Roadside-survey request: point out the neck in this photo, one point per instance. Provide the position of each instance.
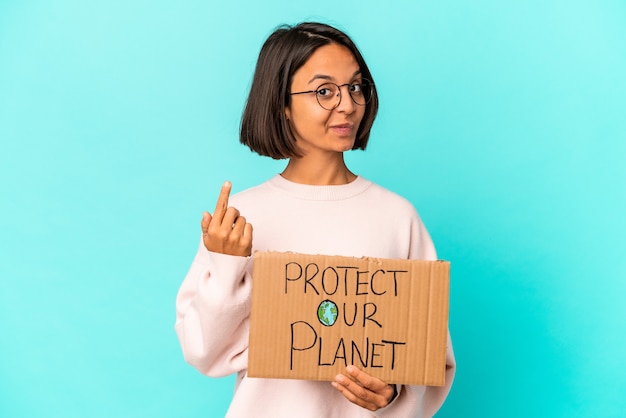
(327, 172)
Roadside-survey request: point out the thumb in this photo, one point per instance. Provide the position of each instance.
(204, 224)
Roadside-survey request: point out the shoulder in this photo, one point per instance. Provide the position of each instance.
(389, 199)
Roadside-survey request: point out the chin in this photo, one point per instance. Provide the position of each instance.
(349, 147)
(346, 145)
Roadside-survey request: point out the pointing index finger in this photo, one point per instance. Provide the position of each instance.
(222, 201)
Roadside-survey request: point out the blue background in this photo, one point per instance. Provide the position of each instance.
(503, 122)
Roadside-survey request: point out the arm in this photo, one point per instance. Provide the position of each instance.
(212, 311)
(409, 401)
(433, 396)
(213, 303)
(436, 395)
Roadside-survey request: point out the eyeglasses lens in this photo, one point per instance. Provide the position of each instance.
(329, 96)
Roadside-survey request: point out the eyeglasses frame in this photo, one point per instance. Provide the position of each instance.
(339, 86)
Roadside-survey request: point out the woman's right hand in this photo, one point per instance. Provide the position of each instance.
(226, 232)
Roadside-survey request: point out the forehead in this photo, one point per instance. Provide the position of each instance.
(332, 62)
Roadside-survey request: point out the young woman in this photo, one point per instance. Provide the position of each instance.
(312, 98)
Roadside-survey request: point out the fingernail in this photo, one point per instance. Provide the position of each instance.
(350, 369)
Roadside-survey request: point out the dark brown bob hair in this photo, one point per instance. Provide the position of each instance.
(264, 125)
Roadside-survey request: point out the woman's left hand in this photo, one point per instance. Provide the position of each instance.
(364, 390)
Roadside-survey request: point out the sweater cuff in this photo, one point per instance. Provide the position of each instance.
(225, 278)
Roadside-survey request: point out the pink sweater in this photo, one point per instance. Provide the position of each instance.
(213, 304)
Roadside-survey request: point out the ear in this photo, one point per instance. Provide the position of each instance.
(287, 113)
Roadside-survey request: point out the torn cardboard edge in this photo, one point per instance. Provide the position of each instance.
(312, 315)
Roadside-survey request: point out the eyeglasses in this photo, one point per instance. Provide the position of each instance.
(329, 94)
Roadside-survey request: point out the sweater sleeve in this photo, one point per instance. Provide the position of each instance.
(421, 401)
(425, 400)
(212, 313)
(435, 395)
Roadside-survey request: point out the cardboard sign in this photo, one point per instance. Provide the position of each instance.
(312, 315)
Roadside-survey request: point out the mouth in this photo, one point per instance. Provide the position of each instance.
(343, 129)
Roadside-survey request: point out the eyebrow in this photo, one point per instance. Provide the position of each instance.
(329, 78)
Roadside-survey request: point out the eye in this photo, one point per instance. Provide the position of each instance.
(326, 91)
(356, 88)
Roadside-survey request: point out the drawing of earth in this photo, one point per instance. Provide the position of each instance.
(327, 313)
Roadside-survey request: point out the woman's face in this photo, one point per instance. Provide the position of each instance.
(316, 129)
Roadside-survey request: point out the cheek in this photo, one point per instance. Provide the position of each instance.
(306, 118)
(361, 114)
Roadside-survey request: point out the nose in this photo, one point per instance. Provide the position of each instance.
(346, 104)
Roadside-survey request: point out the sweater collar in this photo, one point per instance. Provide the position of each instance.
(311, 192)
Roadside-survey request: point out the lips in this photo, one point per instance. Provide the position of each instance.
(343, 129)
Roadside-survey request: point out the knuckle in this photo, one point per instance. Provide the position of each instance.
(361, 393)
(222, 234)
